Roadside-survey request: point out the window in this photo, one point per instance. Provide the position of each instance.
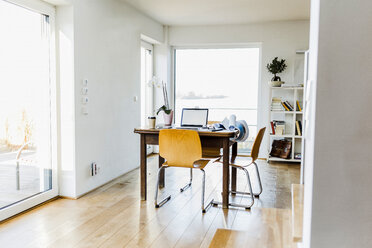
(223, 80)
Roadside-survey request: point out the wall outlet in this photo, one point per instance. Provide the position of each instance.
(93, 169)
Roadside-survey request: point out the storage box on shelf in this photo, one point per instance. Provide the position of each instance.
(286, 114)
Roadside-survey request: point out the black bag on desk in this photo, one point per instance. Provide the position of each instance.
(281, 148)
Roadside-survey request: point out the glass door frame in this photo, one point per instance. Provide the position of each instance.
(16, 208)
(147, 94)
(260, 110)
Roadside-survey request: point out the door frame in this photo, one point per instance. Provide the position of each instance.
(18, 207)
(148, 46)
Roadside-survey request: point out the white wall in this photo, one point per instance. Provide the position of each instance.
(277, 39)
(163, 71)
(339, 214)
(65, 79)
(107, 53)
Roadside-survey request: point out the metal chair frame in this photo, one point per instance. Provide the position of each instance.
(166, 199)
(246, 171)
(254, 155)
(187, 185)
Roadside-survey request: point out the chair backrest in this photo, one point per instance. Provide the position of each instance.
(257, 144)
(180, 147)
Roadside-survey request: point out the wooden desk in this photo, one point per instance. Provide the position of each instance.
(219, 139)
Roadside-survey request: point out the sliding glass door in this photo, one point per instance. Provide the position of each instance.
(27, 157)
(223, 80)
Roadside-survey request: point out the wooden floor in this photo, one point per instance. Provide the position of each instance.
(113, 215)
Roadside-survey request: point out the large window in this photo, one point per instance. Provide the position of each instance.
(223, 80)
(26, 158)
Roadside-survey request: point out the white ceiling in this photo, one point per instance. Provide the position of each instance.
(215, 12)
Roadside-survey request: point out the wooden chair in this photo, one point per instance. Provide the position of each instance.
(242, 164)
(181, 148)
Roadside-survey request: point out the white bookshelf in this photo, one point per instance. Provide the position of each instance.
(291, 94)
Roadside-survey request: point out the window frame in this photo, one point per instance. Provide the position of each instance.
(48, 10)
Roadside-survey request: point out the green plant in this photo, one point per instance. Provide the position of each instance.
(275, 67)
(165, 109)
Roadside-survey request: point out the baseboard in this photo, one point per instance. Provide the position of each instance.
(81, 195)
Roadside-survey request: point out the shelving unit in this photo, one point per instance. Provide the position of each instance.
(291, 94)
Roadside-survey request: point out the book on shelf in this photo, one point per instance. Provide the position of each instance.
(279, 130)
(278, 127)
(298, 106)
(285, 106)
(272, 128)
(289, 106)
(276, 104)
(298, 128)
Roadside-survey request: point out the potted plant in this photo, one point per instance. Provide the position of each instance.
(276, 67)
(167, 112)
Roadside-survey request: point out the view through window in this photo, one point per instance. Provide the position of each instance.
(223, 80)
(25, 100)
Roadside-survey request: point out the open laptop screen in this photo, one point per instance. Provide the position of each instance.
(192, 117)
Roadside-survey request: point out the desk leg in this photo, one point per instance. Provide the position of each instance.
(225, 173)
(234, 153)
(161, 179)
(143, 169)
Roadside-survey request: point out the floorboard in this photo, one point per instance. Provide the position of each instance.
(114, 216)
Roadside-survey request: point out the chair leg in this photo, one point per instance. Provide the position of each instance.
(189, 184)
(259, 183)
(245, 193)
(259, 180)
(204, 209)
(158, 205)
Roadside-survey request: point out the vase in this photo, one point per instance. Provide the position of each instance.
(276, 83)
(168, 118)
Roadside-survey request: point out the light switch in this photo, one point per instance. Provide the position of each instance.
(85, 82)
(85, 100)
(135, 98)
(84, 91)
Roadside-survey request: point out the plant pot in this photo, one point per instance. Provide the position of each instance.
(168, 118)
(276, 83)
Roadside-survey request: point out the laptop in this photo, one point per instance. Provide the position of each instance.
(194, 118)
